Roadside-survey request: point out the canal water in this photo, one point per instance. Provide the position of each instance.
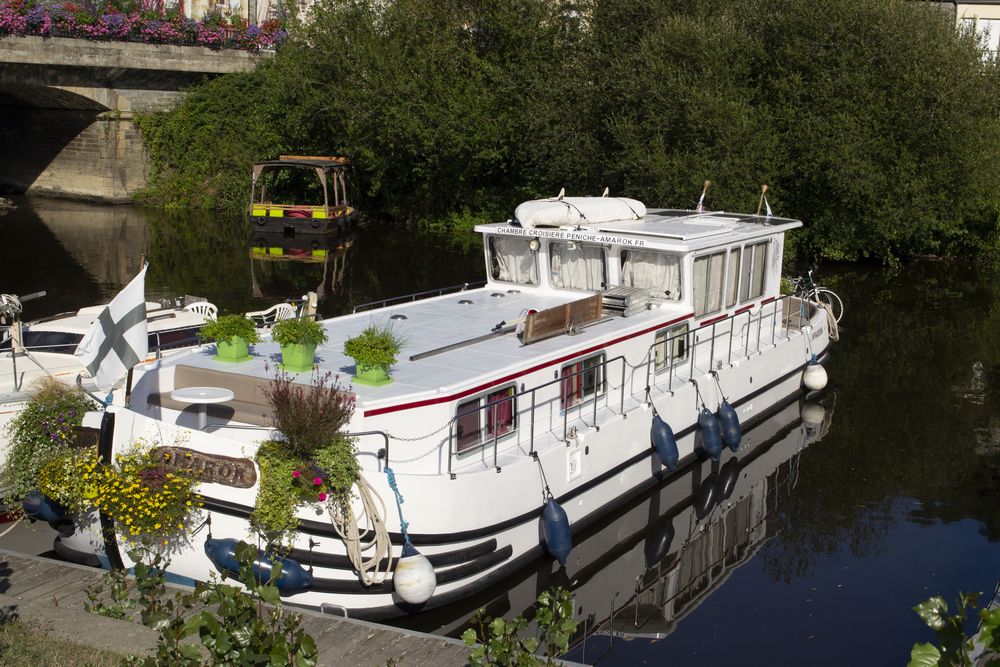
(841, 512)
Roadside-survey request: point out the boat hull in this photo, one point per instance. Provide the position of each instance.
(472, 540)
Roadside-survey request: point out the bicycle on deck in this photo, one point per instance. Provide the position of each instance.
(806, 288)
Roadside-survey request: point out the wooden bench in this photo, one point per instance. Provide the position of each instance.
(249, 404)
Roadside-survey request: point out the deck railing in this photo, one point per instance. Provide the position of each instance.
(708, 348)
(416, 296)
(592, 401)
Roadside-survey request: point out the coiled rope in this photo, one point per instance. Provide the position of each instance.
(10, 306)
(374, 538)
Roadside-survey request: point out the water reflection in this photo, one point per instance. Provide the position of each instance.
(282, 264)
(650, 564)
(83, 254)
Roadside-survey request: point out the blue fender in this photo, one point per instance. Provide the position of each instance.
(728, 476)
(664, 442)
(711, 433)
(37, 506)
(705, 497)
(555, 529)
(293, 578)
(731, 432)
(658, 540)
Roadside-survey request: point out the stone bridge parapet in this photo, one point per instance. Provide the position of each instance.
(66, 109)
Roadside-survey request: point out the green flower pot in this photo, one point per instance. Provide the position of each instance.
(297, 357)
(234, 350)
(374, 376)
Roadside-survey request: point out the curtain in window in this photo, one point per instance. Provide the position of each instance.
(581, 268)
(467, 428)
(572, 385)
(501, 405)
(753, 271)
(733, 276)
(656, 271)
(513, 260)
(708, 272)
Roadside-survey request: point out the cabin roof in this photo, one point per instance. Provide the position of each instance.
(665, 229)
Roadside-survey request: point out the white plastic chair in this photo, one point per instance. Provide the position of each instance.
(276, 313)
(203, 308)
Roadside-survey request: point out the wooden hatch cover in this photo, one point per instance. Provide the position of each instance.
(562, 319)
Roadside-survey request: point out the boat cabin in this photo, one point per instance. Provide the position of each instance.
(708, 264)
(300, 194)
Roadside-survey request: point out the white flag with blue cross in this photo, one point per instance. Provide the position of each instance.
(117, 339)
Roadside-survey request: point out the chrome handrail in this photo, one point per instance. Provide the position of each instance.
(594, 400)
(374, 305)
(673, 364)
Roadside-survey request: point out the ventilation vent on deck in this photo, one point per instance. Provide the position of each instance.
(625, 301)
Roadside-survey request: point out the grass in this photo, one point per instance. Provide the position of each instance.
(23, 646)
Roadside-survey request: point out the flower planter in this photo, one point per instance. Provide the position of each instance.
(373, 376)
(232, 351)
(296, 357)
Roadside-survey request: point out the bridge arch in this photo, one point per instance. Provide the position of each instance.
(66, 109)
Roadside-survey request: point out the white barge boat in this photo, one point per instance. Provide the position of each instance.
(542, 384)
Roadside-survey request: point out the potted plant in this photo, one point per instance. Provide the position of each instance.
(233, 335)
(374, 350)
(312, 461)
(298, 339)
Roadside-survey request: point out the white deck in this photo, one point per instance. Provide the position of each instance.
(435, 323)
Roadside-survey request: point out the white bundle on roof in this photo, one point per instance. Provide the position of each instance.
(577, 211)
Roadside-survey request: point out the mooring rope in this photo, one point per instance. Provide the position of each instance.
(12, 526)
(346, 523)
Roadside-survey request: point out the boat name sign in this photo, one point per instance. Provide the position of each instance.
(237, 473)
(572, 236)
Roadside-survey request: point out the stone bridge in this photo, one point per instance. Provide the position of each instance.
(66, 110)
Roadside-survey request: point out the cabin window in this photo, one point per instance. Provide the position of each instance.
(59, 342)
(479, 419)
(577, 266)
(754, 261)
(511, 260)
(670, 347)
(707, 288)
(733, 276)
(582, 379)
(658, 272)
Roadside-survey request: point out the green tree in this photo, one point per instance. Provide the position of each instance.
(875, 121)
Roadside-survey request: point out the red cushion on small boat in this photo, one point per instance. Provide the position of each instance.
(298, 213)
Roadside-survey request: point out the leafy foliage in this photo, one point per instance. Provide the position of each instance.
(309, 417)
(312, 419)
(873, 120)
(376, 345)
(42, 431)
(149, 501)
(298, 331)
(955, 645)
(226, 327)
(498, 641)
(233, 626)
(111, 596)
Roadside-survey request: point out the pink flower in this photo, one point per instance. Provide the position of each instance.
(321, 496)
(296, 474)
(318, 481)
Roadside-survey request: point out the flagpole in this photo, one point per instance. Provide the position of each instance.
(760, 204)
(701, 200)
